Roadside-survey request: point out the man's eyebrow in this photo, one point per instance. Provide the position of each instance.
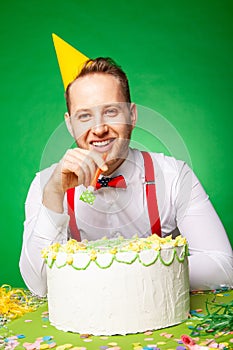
(114, 104)
(103, 106)
(82, 110)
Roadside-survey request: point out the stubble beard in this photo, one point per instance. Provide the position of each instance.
(119, 153)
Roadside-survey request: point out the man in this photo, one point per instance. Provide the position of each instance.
(101, 118)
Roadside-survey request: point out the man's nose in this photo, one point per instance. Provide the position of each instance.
(99, 128)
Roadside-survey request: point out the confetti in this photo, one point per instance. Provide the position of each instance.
(20, 336)
(148, 333)
(15, 303)
(67, 346)
(195, 313)
(47, 338)
(168, 335)
(219, 320)
(83, 336)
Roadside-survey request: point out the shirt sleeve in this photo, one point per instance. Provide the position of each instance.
(211, 258)
(42, 227)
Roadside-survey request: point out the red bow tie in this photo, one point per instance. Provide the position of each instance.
(117, 181)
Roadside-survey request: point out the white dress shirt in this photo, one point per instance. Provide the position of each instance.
(182, 203)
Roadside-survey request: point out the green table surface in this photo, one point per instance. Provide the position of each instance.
(34, 325)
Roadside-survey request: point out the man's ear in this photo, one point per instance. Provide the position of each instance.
(133, 114)
(68, 124)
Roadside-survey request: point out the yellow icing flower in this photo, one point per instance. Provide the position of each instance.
(69, 259)
(55, 247)
(93, 254)
(53, 255)
(71, 246)
(153, 238)
(134, 247)
(113, 251)
(167, 239)
(143, 244)
(104, 238)
(81, 246)
(175, 242)
(71, 242)
(44, 253)
(181, 240)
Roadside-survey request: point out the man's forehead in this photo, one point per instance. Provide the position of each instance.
(95, 90)
(98, 78)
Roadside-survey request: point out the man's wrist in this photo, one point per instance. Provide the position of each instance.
(53, 199)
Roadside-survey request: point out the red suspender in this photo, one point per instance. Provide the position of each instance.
(74, 231)
(151, 194)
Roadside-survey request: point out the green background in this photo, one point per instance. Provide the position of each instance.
(178, 56)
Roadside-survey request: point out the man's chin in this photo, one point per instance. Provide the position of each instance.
(114, 161)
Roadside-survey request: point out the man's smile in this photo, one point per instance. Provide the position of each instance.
(103, 145)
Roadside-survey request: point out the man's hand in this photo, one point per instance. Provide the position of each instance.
(78, 166)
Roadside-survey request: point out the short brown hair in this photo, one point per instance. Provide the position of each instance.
(104, 65)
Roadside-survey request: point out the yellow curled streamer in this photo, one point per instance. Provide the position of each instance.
(14, 302)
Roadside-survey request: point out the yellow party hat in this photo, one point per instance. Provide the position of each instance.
(69, 59)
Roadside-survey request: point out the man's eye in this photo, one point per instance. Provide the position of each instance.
(111, 112)
(84, 116)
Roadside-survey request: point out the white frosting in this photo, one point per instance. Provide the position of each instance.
(113, 297)
(80, 260)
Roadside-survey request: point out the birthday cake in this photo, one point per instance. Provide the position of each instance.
(117, 286)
